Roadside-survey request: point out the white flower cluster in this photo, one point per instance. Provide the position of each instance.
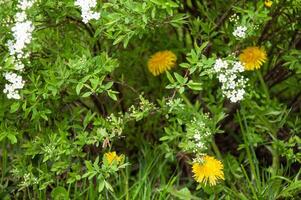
(233, 83)
(22, 33)
(25, 4)
(86, 7)
(28, 180)
(174, 104)
(116, 125)
(15, 83)
(199, 133)
(240, 32)
(234, 18)
(199, 139)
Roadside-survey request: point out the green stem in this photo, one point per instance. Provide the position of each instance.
(186, 100)
(275, 160)
(28, 191)
(215, 149)
(248, 150)
(251, 186)
(127, 189)
(4, 160)
(263, 85)
(273, 149)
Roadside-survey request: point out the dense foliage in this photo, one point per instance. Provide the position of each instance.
(150, 99)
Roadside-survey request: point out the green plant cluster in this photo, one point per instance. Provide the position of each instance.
(87, 91)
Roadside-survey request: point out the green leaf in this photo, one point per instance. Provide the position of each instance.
(108, 186)
(12, 138)
(180, 78)
(185, 65)
(164, 138)
(112, 95)
(87, 94)
(202, 47)
(14, 107)
(59, 193)
(96, 163)
(101, 183)
(194, 86)
(169, 77)
(181, 90)
(79, 87)
(109, 85)
(118, 39)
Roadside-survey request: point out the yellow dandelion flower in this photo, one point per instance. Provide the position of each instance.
(253, 57)
(268, 3)
(111, 156)
(161, 62)
(209, 170)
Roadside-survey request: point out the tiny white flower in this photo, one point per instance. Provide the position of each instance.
(21, 16)
(197, 136)
(238, 67)
(220, 64)
(234, 18)
(25, 4)
(200, 145)
(240, 94)
(233, 99)
(240, 32)
(232, 77)
(86, 10)
(222, 78)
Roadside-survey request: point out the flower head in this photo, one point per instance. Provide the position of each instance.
(161, 62)
(112, 156)
(208, 170)
(268, 3)
(253, 57)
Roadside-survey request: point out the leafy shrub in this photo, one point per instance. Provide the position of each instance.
(150, 99)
